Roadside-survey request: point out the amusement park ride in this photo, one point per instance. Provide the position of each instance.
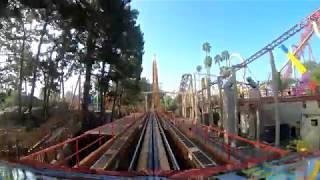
(309, 27)
(159, 144)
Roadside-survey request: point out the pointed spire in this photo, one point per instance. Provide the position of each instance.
(155, 85)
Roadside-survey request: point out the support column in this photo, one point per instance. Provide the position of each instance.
(235, 96)
(229, 107)
(146, 102)
(209, 100)
(258, 113)
(275, 90)
(183, 105)
(220, 99)
(258, 125)
(195, 96)
(192, 99)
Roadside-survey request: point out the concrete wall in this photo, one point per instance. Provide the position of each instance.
(290, 113)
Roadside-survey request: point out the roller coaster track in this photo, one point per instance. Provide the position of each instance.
(153, 151)
(195, 153)
(314, 17)
(155, 145)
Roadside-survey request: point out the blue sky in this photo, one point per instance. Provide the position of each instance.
(175, 30)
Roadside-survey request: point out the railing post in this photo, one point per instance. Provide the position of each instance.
(46, 157)
(99, 137)
(207, 134)
(204, 134)
(77, 152)
(229, 148)
(112, 129)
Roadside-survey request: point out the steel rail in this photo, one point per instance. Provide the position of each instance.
(150, 156)
(177, 132)
(167, 145)
(155, 150)
(138, 147)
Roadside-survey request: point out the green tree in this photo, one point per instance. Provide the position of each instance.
(126, 65)
(217, 59)
(17, 35)
(72, 37)
(315, 74)
(310, 65)
(225, 55)
(168, 103)
(206, 47)
(199, 68)
(208, 64)
(45, 21)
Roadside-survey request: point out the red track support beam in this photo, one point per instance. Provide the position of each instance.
(77, 152)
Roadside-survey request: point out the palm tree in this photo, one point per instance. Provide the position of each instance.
(225, 56)
(199, 68)
(217, 60)
(206, 47)
(208, 64)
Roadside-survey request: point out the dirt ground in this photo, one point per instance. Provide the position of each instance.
(57, 128)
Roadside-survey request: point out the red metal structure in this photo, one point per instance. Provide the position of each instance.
(304, 39)
(223, 149)
(305, 23)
